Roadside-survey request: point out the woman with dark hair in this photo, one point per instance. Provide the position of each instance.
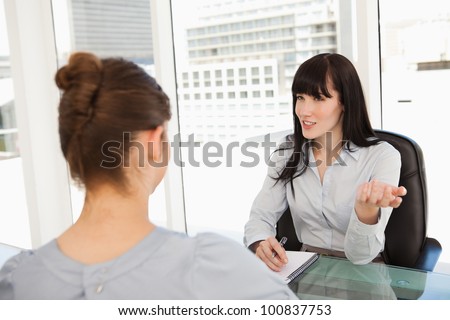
(112, 124)
(339, 181)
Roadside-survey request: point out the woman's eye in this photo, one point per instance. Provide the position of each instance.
(300, 98)
(319, 98)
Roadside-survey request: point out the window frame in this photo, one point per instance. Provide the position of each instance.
(34, 62)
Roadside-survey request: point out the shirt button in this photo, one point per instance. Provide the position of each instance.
(99, 289)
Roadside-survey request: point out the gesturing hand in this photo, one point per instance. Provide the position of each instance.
(373, 195)
(272, 253)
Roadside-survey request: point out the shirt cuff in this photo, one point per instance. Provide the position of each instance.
(248, 242)
(362, 228)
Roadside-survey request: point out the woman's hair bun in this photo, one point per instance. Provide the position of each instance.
(82, 67)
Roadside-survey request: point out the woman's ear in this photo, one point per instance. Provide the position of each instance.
(155, 144)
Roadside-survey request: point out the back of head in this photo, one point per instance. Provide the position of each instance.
(102, 100)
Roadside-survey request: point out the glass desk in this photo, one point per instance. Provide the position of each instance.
(337, 278)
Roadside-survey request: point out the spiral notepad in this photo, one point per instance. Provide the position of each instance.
(298, 262)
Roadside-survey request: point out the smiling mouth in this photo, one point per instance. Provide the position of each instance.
(308, 123)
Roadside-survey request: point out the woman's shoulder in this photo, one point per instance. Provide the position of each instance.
(235, 269)
(23, 258)
(15, 261)
(216, 250)
(10, 268)
(204, 250)
(28, 257)
(380, 148)
(381, 155)
(386, 149)
(211, 239)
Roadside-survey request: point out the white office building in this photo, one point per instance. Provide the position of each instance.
(289, 31)
(250, 50)
(225, 101)
(113, 28)
(8, 127)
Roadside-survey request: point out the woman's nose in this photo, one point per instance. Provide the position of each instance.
(303, 109)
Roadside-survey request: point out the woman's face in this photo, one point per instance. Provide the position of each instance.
(319, 115)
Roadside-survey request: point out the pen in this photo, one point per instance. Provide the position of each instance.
(282, 243)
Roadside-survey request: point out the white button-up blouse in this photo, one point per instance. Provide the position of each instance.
(323, 213)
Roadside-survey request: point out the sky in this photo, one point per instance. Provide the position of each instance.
(394, 10)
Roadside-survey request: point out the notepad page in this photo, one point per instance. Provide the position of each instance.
(296, 259)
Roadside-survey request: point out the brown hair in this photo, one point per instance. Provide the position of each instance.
(102, 100)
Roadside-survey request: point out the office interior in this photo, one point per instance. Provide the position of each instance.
(227, 67)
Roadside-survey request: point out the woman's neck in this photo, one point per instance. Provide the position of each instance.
(108, 203)
(328, 146)
(329, 139)
(110, 224)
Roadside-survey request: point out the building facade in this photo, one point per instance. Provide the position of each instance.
(238, 37)
(113, 28)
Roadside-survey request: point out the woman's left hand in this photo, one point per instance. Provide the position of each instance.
(373, 195)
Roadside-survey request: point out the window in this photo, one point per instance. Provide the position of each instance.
(115, 29)
(415, 77)
(404, 68)
(14, 224)
(268, 69)
(256, 94)
(269, 93)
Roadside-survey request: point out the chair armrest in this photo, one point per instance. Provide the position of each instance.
(429, 256)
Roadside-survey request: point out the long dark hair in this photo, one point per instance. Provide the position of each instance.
(311, 79)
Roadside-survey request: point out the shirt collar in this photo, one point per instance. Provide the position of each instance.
(354, 151)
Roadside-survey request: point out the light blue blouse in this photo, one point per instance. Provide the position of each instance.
(323, 213)
(165, 265)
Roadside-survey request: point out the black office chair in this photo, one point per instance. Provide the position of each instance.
(407, 244)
